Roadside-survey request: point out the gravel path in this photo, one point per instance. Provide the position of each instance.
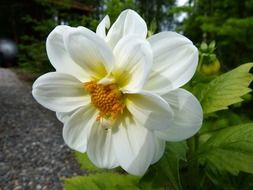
(32, 152)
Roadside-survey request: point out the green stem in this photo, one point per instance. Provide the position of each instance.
(200, 62)
(193, 163)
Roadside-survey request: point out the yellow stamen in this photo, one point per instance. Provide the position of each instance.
(107, 98)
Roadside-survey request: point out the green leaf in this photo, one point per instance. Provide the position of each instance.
(246, 181)
(226, 89)
(174, 153)
(230, 149)
(85, 163)
(222, 180)
(102, 181)
(165, 173)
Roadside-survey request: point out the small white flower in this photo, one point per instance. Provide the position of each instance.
(118, 93)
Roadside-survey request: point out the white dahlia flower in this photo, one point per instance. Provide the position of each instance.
(118, 94)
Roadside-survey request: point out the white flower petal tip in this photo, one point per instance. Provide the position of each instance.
(159, 149)
(58, 54)
(133, 62)
(75, 132)
(89, 51)
(134, 146)
(103, 25)
(100, 149)
(188, 116)
(60, 92)
(128, 23)
(118, 94)
(175, 62)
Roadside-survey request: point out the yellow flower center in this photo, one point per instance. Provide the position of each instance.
(107, 98)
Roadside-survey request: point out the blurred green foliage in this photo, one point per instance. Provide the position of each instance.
(114, 7)
(105, 181)
(228, 22)
(41, 21)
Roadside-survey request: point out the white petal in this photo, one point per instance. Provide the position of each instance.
(103, 25)
(77, 128)
(175, 62)
(133, 60)
(134, 146)
(89, 51)
(60, 92)
(100, 149)
(64, 116)
(59, 56)
(128, 22)
(159, 149)
(149, 110)
(188, 116)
